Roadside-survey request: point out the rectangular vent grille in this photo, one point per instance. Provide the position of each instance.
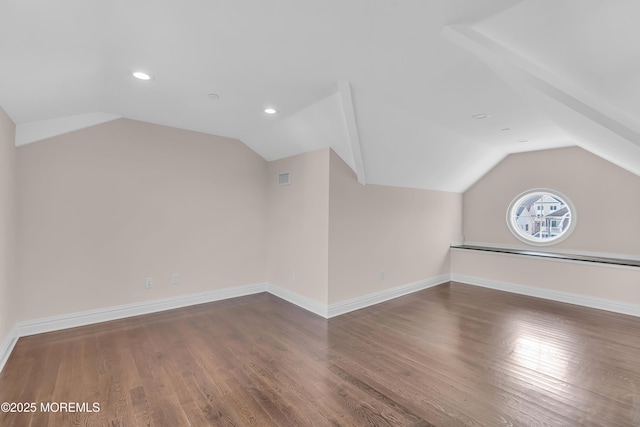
(284, 178)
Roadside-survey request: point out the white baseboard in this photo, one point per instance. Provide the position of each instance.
(378, 297)
(299, 300)
(570, 298)
(6, 347)
(72, 320)
(355, 303)
(119, 312)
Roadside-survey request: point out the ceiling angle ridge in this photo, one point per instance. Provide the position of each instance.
(344, 88)
(488, 49)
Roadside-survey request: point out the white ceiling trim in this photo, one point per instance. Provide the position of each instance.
(583, 115)
(27, 133)
(352, 129)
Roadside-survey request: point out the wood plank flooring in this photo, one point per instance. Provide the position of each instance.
(453, 355)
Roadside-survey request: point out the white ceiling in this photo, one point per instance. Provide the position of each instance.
(390, 85)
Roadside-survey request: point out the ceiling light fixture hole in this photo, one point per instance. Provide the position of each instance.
(481, 116)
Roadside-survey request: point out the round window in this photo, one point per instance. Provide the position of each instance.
(541, 217)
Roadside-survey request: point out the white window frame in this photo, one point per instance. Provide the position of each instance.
(526, 238)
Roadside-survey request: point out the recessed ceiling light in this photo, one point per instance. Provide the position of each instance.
(505, 129)
(141, 75)
(213, 95)
(481, 116)
(523, 140)
(270, 110)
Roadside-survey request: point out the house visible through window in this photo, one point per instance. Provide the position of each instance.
(541, 217)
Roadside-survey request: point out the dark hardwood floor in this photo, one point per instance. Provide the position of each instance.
(453, 355)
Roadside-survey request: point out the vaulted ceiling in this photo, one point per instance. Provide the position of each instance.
(391, 85)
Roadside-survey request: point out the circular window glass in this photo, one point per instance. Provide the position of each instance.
(541, 217)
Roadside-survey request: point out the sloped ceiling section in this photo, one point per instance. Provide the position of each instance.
(329, 122)
(578, 82)
(392, 86)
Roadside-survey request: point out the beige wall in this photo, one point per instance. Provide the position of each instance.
(104, 207)
(298, 225)
(330, 237)
(10, 301)
(606, 200)
(605, 197)
(402, 232)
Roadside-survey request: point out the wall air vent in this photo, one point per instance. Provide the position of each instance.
(284, 178)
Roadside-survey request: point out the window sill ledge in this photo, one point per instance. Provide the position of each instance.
(554, 255)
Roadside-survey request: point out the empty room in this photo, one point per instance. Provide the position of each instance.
(319, 213)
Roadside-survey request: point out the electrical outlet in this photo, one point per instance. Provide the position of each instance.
(382, 275)
(293, 275)
(148, 282)
(175, 279)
